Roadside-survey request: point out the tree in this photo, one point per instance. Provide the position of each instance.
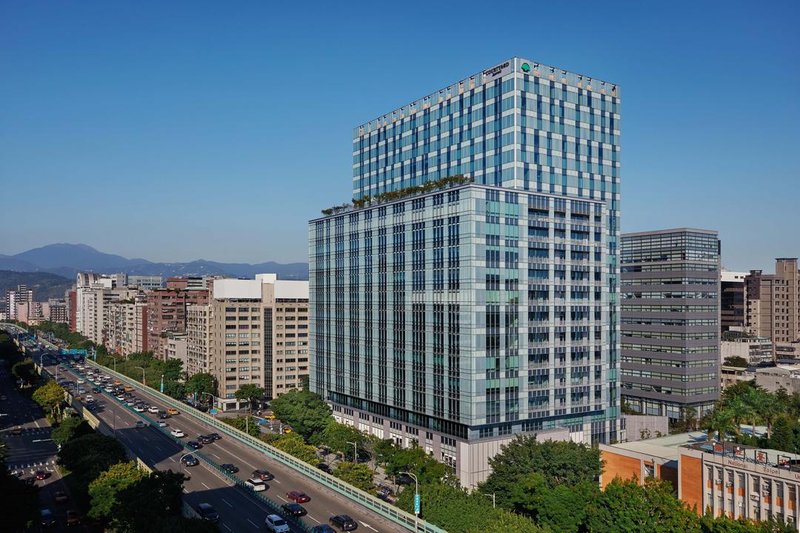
(414, 459)
(783, 438)
(70, 428)
(85, 457)
(20, 503)
(558, 462)
(135, 511)
(736, 361)
(249, 392)
(770, 407)
(24, 370)
(104, 490)
(293, 444)
(201, 384)
(49, 396)
(306, 412)
(357, 474)
(173, 389)
(627, 507)
(247, 424)
(719, 420)
(338, 437)
(560, 507)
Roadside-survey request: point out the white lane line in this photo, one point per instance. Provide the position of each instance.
(206, 486)
(314, 519)
(276, 481)
(254, 524)
(282, 498)
(226, 502)
(369, 526)
(226, 526)
(217, 456)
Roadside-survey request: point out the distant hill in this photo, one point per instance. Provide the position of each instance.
(68, 259)
(43, 284)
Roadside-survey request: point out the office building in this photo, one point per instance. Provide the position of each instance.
(670, 321)
(732, 301)
(773, 306)
(470, 293)
(145, 283)
(754, 350)
(251, 331)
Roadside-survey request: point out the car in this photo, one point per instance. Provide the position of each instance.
(138, 408)
(276, 524)
(323, 528)
(189, 460)
(128, 388)
(215, 436)
(16, 431)
(3, 397)
(140, 424)
(298, 496)
(229, 468)
(193, 444)
(384, 493)
(152, 409)
(60, 496)
(89, 398)
(264, 475)
(343, 522)
(162, 424)
(207, 512)
(81, 381)
(109, 390)
(172, 411)
(47, 520)
(256, 485)
(177, 433)
(294, 509)
(129, 402)
(163, 416)
(73, 518)
(205, 439)
(41, 475)
(325, 468)
(120, 397)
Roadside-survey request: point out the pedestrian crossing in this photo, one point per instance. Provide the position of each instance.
(20, 469)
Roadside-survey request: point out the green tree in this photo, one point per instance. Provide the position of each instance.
(306, 412)
(247, 424)
(173, 389)
(338, 437)
(294, 445)
(396, 459)
(70, 428)
(104, 490)
(627, 507)
(357, 474)
(24, 370)
(135, 509)
(736, 361)
(719, 420)
(250, 393)
(771, 407)
(84, 458)
(49, 396)
(201, 384)
(559, 462)
(560, 507)
(20, 503)
(783, 438)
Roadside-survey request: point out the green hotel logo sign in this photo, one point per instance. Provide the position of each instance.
(525, 67)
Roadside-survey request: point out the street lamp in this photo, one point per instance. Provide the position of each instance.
(213, 399)
(416, 498)
(144, 379)
(355, 451)
(494, 499)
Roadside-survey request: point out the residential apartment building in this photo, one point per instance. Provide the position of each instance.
(145, 283)
(732, 301)
(470, 294)
(126, 326)
(57, 311)
(99, 317)
(251, 331)
(166, 313)
(773, 306)
(670, 321)
(14, 298)
(175, 347)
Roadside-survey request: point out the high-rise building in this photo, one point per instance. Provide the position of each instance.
(22, 295)
(126, 326)
(145, 283)
(166, 313)
(57, 311)
(732, 301)
(470, 292)
(251, 331)
(670, 321)
(773, 306)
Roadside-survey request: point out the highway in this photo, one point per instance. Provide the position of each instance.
(239, 509)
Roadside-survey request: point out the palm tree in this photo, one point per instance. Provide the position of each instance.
(740, 411)
(770, 407)
(720, 420)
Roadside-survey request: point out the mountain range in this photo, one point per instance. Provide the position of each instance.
(68, 259)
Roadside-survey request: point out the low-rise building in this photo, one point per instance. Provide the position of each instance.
(778, 377)
(754, 350)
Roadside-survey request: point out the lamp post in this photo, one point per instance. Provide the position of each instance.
(416, 498)
(144, 379)
(355, 451)
(213, 398)
(494, 499)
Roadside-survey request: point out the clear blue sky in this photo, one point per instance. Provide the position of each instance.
(192, 129)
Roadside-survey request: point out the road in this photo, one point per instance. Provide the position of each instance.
(32, 449)
(239, 509)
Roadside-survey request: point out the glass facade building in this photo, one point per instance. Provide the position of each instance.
(670, 321)
(457, 313)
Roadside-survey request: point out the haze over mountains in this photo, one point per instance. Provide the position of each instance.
(68, 259)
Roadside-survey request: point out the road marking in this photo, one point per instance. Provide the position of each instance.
(254, 524)
(314, 519)
(369, 526)
(206, 486)
(276, 480)
(226, 502)
(226, 526)
(282, 498)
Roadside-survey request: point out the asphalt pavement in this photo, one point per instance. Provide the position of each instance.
(239, 508)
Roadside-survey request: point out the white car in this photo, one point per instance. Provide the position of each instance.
(89, 398)
(138, 408)
(276, 524)
(109, 389)
(152, 409)
(162, 424)
(81, 381)
(179, 434)
(256, 485)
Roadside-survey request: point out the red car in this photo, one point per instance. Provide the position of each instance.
(297, 496)
(41, 474)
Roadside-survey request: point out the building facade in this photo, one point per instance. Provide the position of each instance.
(732, 301)
(773, 306)
(670, 321)
(166, 313)
(471, 292)
(754, 350)
(14, 298)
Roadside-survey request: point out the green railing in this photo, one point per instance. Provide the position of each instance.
(368, 501)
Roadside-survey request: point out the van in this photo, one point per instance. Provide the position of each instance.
(256, 485)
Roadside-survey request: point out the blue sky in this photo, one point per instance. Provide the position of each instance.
(183, 130)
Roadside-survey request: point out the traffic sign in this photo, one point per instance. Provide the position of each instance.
(212, 411)
(416, 504)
